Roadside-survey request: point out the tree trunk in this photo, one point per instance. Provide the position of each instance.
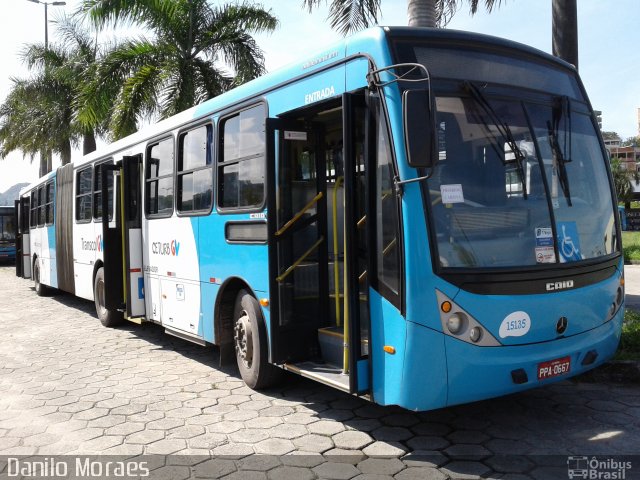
(65, 154)
(421, 13)
(88, 143)
(565, 30)
(44, 169)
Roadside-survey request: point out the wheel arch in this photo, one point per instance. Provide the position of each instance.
(223, 309)
(97, 266)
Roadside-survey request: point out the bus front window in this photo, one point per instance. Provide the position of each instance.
(491, 204)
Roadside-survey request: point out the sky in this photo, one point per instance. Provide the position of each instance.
(609, 57)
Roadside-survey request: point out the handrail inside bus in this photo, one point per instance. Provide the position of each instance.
(336, 266)
(298, 215)
(280, 278)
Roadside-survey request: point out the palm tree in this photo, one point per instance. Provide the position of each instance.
(349, 16)
(39, 114)
(565, 30)
(623, 180)
(180, 66)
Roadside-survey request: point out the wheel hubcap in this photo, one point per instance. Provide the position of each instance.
(243, 337)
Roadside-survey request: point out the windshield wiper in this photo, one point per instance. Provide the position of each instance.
(561, 109)
(503, 129)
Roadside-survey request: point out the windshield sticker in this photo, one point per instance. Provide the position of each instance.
(568, 242)
(515, 324)
(544, 237)
(545, 255)
(452, 193)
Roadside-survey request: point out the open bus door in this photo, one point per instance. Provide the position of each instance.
(132, 221)
(22, 241)
(16, 222)
(123, 268)
(317, 249)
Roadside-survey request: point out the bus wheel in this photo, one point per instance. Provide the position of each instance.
(41, 290)
(108, 318)
(250, 341)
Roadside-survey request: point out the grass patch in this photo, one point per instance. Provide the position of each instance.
(631, 246)
(629, 348)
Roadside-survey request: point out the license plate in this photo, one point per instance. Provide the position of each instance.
(553, 368)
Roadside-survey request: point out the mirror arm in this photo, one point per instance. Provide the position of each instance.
(398, 184)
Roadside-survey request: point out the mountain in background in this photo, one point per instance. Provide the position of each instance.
(8, 197)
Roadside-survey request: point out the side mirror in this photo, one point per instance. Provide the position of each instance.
(418, 115)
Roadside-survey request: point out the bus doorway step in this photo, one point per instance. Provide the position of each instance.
(321, 372)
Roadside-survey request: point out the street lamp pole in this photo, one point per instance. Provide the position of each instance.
(45, 155)
(46, 18)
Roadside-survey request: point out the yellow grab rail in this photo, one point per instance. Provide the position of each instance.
(336, 266)
(298, 215)
(302, 258)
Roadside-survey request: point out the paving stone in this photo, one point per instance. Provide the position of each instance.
(287, 431)
(466, 470)
(385, 449)
(145, 437)
(207, 441)
(274, 446)
(263, 422)
(386, 466)
(290, 473)
(234, 450)
(125, 428)
(467, 436)
(425, 458)
(325, 427)
(302, 459)
(509, 463)
(99, 444)
(467, 451)
(247, 475)
(391, 434)
(187, 431)
(171, 472)
(428, 443)
(166, 446)
(165, 424)
(214, 468)
(420, 473)
(313, 443)
(351, 440)
(262, 463)
(336, 471)
(249, 435)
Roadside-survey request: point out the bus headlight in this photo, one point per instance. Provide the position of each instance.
(459, 324)
(455, 322)
(475, 334)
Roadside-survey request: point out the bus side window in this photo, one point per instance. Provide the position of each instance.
(242, 160)
(83, 195)
(41, 205)
(159, 179)
(195, 177)
(33, 218)
(388, 225)
(97, 192)
(48, 213)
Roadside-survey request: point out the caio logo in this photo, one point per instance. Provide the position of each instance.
(166, 248)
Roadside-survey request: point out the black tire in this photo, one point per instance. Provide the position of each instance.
(250, 343)
(108, 318)
(41, 290)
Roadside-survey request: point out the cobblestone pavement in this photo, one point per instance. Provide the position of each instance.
(70, 386)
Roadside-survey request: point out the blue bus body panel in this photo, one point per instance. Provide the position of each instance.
(388, 327)
(477, 373)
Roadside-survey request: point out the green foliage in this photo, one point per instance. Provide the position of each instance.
(623, 180)
(39, 113)
(629, 348)
(631, 246)
(195, 53)
(350, 16)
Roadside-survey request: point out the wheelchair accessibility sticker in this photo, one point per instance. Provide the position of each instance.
(568, 242)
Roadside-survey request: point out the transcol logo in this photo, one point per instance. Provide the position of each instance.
(166, 248)
(92, 245)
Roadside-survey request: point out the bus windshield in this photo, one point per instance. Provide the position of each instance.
(7, 228)
(518, 184)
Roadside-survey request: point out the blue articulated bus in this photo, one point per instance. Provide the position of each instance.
(7, 234)
(420, 217)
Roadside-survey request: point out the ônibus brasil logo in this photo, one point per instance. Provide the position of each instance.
(92, 245)
(166, 248)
